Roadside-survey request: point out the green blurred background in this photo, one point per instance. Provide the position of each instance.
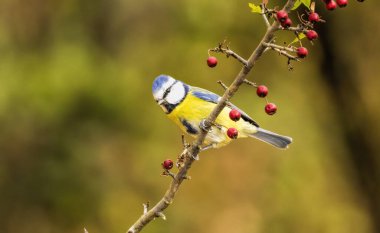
(81, 139)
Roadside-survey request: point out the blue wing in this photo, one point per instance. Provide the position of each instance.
(214, 98)
(205, 95)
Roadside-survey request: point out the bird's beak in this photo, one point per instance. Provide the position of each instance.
(160, 101)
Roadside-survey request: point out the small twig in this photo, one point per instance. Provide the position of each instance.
(284, 53)
(168, 173)
(222, 84)
(146, 207)
(225, 88)
(246, 81)
(223, 48)
(282, 50)
(298, 29)
(264, 14)
(274, 46)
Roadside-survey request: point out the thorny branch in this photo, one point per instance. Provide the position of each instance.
(223, 48)
(192, 152)
(282, 50)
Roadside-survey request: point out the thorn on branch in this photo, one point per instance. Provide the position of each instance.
(246, 81)
(222, 84)
(146, 207)
(161, 215)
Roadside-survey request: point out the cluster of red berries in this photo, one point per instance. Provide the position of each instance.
(262, 92)
(332, 4)
(235, 115)
(286, 22)
(283, 18)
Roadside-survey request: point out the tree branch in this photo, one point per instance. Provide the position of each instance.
(282, 50)
(193, 151)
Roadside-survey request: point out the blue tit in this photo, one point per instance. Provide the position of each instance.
(189, 106)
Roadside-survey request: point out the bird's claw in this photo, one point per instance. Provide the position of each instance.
(205, 125)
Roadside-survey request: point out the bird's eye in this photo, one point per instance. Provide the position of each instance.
(166, 92)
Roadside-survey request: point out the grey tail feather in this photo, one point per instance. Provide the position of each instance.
(272, 138)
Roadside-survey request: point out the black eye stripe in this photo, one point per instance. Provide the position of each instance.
(168, 90)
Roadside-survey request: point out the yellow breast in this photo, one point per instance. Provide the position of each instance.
(193, 110)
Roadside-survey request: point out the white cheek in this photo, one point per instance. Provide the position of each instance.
(177, 93)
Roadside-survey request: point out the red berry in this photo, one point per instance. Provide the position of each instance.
(262, 91)
(167, 164)
(330, 5)
(232, 133)
(314, 17)
(212, 61)
(270, 108)
(311, 35)
(282, 15)
(302, 52)
(342, 3)
(287, 23)
(235, 115)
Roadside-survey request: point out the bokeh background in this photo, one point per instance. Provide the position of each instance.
(81, 139)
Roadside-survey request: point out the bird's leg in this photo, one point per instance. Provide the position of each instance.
(209, 146)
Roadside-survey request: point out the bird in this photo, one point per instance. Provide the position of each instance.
(189, 106)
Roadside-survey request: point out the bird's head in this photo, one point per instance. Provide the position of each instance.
(168, 92)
